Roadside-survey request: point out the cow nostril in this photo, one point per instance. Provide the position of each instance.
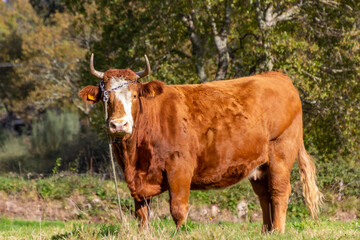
(112, 125)
(118, 126)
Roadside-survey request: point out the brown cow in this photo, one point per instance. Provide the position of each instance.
(203, 136)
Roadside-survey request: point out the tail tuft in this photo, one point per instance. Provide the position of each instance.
(313, 197)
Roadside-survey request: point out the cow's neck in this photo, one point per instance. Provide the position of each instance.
(131, 144)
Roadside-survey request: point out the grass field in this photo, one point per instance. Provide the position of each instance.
(88, 204)
(165, 229)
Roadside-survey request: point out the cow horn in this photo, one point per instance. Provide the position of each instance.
(92, 69)
(147, 70)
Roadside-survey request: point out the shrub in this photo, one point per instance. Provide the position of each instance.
(13, 151)
(54, 132)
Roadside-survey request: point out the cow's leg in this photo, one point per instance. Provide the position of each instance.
(179, 176)
(261, 188)
(179, 200)
(142, 211)
(282, 154)
(280, 191)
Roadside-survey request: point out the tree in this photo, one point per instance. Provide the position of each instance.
(42, 65)
(269, 14)
(161, 32)
(14, 23)
(46, 8)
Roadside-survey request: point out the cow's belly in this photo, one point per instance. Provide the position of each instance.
(221, 179)
(224, 177)
(224, 163)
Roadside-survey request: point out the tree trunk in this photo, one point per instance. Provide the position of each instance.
(223, 63)
(220, 39)
(197, 49)
(268, 18)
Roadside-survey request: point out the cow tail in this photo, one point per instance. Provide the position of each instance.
(313, 196)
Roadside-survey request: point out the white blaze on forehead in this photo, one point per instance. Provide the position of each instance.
(124, 96)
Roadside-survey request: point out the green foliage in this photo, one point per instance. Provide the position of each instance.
(40, 56)
(54, 140)
(54, 132)
(344, 178)
(63, 186)
(46, 8)
(297, 210)
(227, 198)
(55, 136)
(13, 151)
(58, 187)
(14, 184)
(126, 203)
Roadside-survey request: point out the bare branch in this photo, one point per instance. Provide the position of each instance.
(85, 109)
(188, 22)
(332, 70)
(288, 14)
(227, 18)
(212, 20)
(330, 3)
(221, 39)
(268, 18)
(197, 46)
(180, 53)
(317, 79)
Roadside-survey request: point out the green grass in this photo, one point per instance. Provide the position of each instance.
(23, 229)
(63, 186)
(165, 229)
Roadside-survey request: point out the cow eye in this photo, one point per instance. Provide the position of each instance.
(134, 96)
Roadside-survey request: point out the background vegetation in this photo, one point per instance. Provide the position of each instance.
(46, 44)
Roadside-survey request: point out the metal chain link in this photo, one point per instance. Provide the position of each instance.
(106, 93)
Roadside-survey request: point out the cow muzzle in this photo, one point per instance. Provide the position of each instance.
(119, 126)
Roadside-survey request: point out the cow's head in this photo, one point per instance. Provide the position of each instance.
(124, 92)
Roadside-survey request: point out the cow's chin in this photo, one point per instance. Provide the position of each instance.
(119, 134)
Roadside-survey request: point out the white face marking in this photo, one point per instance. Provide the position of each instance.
(124, 96)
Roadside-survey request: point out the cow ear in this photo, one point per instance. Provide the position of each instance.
(90, 94)
(151, 89)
